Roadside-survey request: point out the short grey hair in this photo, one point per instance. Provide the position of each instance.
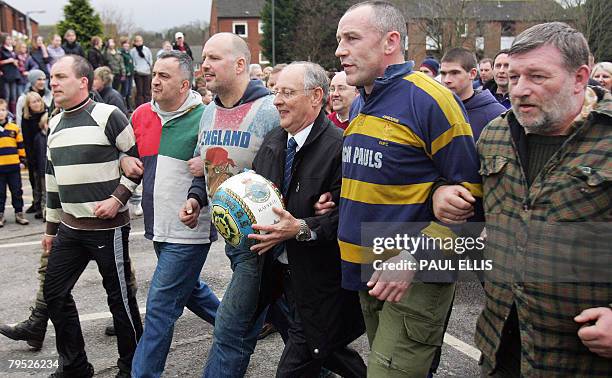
(314, 77)
(105, 75)
(602, 66)
(570, 42)
(386, 18)
(185, 62)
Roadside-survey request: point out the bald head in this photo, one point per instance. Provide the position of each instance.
(233, 44)
(225, 65)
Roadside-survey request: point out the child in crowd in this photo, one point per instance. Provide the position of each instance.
(12, 154)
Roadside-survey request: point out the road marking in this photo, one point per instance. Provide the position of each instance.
(462, 347)
(451, 340)
(37, 242)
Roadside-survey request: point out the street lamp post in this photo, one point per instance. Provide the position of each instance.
(273, 38)
(28, 25)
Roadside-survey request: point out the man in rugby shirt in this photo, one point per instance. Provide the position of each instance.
(87, 216)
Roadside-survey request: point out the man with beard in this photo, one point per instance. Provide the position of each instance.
(546, 171)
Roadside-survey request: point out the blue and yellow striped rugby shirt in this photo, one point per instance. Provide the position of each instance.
(408, 133)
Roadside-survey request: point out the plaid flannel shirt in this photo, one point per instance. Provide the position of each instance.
(535, 241)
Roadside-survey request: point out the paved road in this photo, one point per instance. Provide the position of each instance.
(19, 255)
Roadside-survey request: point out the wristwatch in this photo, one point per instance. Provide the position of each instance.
(304, 232)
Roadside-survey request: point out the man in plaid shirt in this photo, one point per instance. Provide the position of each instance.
(547, 168)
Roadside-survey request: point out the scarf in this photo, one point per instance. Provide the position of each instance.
(139, 49)
(22, 60)
(193, 99)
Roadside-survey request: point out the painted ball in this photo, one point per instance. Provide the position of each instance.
(241, 201)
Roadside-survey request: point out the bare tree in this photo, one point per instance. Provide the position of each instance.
(315, 31)
(445, 23)
(117, 22)
(591, 17)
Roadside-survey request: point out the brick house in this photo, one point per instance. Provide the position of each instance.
(13, 21)
(486, 26)
(240, 17)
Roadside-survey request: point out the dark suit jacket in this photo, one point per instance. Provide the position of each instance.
(331, 316)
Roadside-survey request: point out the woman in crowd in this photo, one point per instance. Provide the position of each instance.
(94, 55)
(25, 64)
(40, 54)
(602, 72)
(11, 77)
(114, 60)
(102, 83)
(143, 62)
(128, 63)
(33, 110)
(40, 149)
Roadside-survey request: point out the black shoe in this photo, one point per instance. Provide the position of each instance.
(38, 215)
(88, 373)
(31, 330)
(32, 209)
(110, 330)
(123, 374)
(266, 331)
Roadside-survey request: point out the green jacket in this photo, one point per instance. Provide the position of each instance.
(115, 62)
(128, 62)
(549, 243)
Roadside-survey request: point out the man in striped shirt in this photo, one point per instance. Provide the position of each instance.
(87, 216)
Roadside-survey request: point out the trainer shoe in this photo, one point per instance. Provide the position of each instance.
(21, 219)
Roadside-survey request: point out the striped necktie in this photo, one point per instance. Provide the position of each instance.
(291, 147)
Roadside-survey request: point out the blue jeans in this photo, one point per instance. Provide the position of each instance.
(126, 90)
(175, 284)
(13, 180)
(236, 326)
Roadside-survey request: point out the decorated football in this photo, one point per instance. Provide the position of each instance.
(241, 201)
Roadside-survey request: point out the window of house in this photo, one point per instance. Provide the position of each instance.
(240, 28)
(262, 59)
(508, 29)
(465, 31)
(431, 44)
(260, 27)
(506, 42)
(479, 43)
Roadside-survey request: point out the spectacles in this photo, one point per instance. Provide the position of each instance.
(286, 93)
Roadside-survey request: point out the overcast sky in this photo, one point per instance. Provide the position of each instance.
(153, 15)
